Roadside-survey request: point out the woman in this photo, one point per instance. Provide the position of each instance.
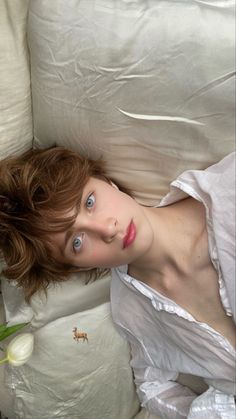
(173, 266)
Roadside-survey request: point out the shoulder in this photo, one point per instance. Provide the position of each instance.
(211, 184)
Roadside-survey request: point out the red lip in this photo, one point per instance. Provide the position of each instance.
(130, 235)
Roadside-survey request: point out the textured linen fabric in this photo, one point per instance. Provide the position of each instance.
(65, 379)
(149, 85)
(62, 299)
(76, 380)
(165, 339)
(16, 132)
(16, 129)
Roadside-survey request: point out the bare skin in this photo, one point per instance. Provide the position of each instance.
(181, 269)
(169, 252)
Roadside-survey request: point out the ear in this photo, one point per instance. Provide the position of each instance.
(113, 185)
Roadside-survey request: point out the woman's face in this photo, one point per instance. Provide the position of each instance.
(111, 229)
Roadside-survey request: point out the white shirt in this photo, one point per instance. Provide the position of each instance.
(164, 338)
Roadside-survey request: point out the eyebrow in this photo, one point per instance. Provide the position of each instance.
(71, 230)
(68, 234)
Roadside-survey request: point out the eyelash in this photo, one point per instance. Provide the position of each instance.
(79, 235)
(89, 196)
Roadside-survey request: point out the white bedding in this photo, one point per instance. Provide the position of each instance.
(147, 84)
(77, 380)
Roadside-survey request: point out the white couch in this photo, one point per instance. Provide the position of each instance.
(147, 84)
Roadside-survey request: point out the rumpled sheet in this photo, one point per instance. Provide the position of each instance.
(77, 380)
(149, 85)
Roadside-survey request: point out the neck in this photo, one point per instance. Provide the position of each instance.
(175, 229)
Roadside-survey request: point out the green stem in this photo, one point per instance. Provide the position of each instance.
(3, 360)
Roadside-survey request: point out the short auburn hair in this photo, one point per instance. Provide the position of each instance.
(35, 189)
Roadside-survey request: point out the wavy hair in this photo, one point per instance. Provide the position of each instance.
(36, 188)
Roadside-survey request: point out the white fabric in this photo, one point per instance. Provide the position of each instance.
(15, 307)
(76, 380)
(144, 414)
(15, 112)
(5, 395)
(165, 339)
(146, 84)
(60, 380)
(15, 93)
(62, 299)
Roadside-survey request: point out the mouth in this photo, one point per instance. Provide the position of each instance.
(130, 235)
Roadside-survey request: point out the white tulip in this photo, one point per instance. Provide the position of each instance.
(20, 349)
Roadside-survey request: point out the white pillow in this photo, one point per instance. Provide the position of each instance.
(69, 297)
(76, 380)
(149, 85)
(95, 383)
(15, 93)
(62, 299)
(15, 117)
(15, 307)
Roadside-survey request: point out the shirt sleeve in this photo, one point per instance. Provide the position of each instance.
(161, 395)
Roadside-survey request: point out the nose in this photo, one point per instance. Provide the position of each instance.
(104, 229)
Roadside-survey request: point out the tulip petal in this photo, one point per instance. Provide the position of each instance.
(20, 349)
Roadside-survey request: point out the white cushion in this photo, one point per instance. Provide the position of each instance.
(15, 110)
(15, 93)
(148, 85)
(6, 398)
(62, 299)
(76, 380)
(95, 383)
(69, 297)
(144, 414)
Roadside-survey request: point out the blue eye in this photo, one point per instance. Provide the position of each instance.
(77, 243)
(90, 201)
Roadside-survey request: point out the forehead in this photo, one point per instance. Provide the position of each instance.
(66, 217)
(99, 184)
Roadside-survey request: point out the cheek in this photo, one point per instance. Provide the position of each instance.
(101, 257)
(99, 254)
